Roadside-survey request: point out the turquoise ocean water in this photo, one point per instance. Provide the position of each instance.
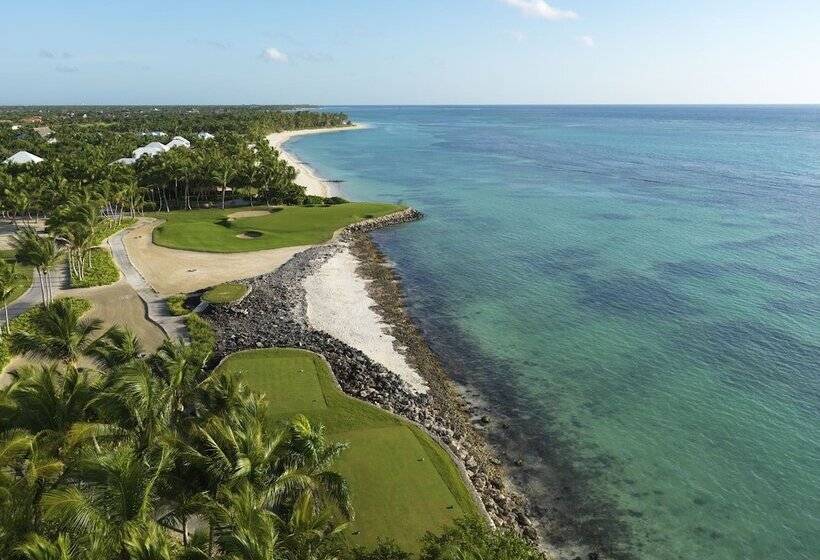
(636, 290)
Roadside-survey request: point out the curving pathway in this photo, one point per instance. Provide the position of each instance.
(59, 281)
(157, 308)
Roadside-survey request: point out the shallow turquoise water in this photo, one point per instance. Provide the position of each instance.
(637, 289)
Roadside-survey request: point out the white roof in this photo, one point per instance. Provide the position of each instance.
(205, 135)
(151, 149)
(23, 157)
(177, 142)
(125, 161)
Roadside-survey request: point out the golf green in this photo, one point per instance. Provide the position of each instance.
(403, 484)
(239, 230)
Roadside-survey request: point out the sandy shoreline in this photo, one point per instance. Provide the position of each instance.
(338, 303)
(305, 175)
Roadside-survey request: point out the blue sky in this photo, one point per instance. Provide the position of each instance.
(409, 51)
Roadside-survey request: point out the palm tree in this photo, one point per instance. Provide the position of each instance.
(223, 170)
(310, 454)
(244, 528)
(137, 401)
(48, 401)
(58, 333)
(115, 497)
(116, 347)
(26, 472)
(9, 278)
(38, 548)
(40, 252)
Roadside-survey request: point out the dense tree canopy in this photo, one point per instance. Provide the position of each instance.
(81, 145)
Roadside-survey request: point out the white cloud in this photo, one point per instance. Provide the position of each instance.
(540, 9)
(587, 41)
(274, 55)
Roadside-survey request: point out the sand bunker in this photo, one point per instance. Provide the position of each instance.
(250, 234)
(248, 214)
(172, 271)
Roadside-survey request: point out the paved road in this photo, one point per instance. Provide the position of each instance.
(59, 281)
(158, 312)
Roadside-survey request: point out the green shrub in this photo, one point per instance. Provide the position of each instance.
(176, 305)
(225, 293)
(384, 550)
(335, 200)
(25, 322)
(109, 228)
(99, 271)
(473, 539)
(202, 335)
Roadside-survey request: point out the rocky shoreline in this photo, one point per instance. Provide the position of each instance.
(274, 314)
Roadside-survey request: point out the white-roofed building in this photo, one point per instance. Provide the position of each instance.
(22, 158)
(204, 135)
(150, 149)
(177, 142)
(124, 161)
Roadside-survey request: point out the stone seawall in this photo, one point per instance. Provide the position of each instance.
(274, 315)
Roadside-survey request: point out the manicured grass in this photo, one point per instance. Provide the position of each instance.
(24, 274)
(403, 483)
(225, 293)
(99, 271)
(214, 231)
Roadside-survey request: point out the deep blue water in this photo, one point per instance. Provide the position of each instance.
(637, 290)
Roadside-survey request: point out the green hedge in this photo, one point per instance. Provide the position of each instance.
(202, 335)
(24, 322)
(99, 271)
(109, 228)
(176, 305)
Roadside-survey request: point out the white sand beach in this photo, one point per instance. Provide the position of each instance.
(338, 303)
(305, 175)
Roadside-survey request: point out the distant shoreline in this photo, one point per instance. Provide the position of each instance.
(305, 175)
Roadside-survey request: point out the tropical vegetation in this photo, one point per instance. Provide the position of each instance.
(110, 453)
(106, 454)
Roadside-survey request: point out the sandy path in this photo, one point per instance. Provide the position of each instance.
(173, 271)
(119, 304)
(115, 304)
(338, 303)
(305, 175)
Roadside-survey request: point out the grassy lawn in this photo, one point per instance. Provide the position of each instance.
(23, 272)
(215, 231)
(99, 271)
(225, 293)
(109, 228)
(403, 483)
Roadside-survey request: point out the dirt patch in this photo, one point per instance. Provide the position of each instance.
(250, 234)
(248, 214)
